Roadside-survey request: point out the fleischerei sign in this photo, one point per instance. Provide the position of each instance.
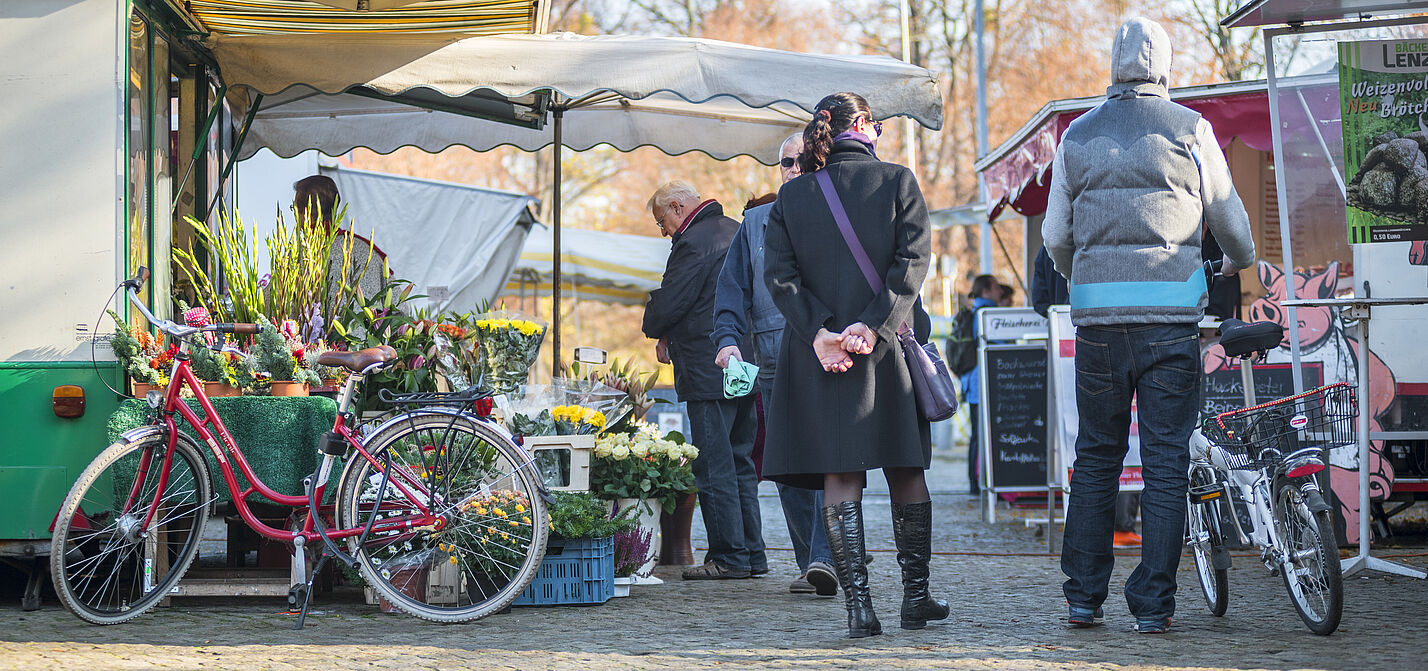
(1383, 93)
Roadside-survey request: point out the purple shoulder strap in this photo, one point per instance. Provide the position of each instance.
(865, 264)
(860, 255)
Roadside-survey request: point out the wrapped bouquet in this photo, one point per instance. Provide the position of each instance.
(509, 346)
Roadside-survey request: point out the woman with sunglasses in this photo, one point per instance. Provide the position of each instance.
(843, 398)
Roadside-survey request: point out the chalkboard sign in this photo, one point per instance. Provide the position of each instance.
(1223, 391)
(1014, 402)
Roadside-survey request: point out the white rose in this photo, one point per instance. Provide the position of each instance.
(602, 450)
(690, 451)
(640, 450)
(619, 452)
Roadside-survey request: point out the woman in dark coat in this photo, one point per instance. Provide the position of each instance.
(843, 395)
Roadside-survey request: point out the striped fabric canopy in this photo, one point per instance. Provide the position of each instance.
(462, 17)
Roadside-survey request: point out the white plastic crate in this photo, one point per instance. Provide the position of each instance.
(564, 461)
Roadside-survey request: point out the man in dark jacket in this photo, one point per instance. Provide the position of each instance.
(680, 314)
(1132, 183)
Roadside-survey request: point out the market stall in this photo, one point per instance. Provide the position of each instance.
(1340, 94)
(560, 90)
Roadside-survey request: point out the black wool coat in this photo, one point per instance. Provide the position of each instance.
(681, 310)
(864, 418)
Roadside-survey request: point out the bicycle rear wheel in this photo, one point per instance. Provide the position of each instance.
(1205, 540)
(1313, 576)
(129, 529)
(488, 495)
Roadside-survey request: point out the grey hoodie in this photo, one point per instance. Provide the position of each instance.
(1131, 184)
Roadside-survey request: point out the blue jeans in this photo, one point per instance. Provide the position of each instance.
(802, 510)
(728, 488)
(1158, 364)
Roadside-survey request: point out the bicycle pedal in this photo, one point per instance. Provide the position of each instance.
(1205, 493)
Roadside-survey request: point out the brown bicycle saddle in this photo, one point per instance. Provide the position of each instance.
(359, 360)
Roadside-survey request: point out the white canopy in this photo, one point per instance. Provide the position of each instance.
(456, 243)
(601, 266)
(336, 92)
(300, 119)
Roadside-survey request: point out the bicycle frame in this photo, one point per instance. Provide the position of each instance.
(226, 453)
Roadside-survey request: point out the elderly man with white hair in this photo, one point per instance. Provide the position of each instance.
(743, 305)
(680, 315)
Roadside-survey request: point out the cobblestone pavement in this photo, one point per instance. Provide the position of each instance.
(1007, 614)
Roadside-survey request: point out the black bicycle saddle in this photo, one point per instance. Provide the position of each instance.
(1240, 339)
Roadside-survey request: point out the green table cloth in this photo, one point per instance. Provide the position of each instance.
(278, 436)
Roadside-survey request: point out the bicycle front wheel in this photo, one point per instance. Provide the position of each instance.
(129, 529)
(1312, 575)
(493, 527)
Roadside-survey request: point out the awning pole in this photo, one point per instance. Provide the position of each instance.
(559, 115)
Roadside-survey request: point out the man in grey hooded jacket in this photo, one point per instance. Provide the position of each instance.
(1132, 183)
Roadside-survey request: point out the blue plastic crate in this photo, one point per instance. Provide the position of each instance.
(574, 571)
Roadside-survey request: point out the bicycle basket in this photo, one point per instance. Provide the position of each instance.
(1262, 435)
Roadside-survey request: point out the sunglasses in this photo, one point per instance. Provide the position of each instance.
(787, 161)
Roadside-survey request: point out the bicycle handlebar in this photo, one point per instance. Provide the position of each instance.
(174, 329)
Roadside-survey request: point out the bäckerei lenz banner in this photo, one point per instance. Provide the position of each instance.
(1383, 93)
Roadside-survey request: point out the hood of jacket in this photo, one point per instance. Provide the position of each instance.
(1140, 60)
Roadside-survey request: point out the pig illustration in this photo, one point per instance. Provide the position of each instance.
(1323, 338)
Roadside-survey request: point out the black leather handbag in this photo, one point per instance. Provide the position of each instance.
(932, 383)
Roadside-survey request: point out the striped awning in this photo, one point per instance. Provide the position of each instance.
(460, 17)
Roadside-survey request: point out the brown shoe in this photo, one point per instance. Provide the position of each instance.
(711, 570)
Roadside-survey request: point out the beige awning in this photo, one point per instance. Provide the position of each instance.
(338, 92)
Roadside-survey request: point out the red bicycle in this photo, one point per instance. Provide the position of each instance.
(441, 511)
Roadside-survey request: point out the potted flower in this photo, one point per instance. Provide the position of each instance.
(278, 352)
(633, 549)
(218, 370)
(137, 351)
(643, 471)
(642, 465)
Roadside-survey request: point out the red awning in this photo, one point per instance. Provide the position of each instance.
(1022, 176)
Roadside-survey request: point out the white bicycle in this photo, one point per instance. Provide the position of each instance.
(1252, 483)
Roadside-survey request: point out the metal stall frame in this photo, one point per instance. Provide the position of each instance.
(1359, 307)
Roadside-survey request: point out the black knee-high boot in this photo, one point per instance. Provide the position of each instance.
(844, 524)
(912, 527)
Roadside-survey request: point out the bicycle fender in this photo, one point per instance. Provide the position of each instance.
(1315, 500)
(139, 433)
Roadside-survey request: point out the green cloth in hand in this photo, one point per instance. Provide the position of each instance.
(739, 378)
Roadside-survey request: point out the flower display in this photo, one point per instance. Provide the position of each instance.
(501, 523)
(508, 349)
(576, 420)
(643, 465)
(138, 351)
(563, 408)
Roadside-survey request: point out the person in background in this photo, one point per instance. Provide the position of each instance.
(743, 298)
(315, 203)
(1138, 293)
(986, 293)
(1049, 288)
(843, 402)
(680, 316)
(1008, 298)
